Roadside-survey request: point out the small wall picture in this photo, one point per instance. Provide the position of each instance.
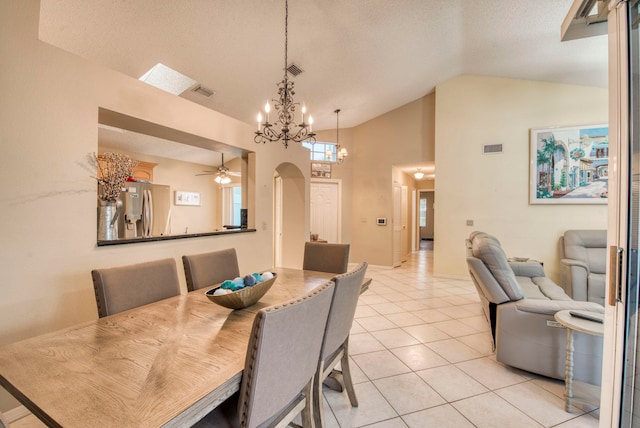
(187, 198)
(320, 170)
(569, 165)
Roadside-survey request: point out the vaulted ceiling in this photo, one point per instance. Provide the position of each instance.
(365, 57)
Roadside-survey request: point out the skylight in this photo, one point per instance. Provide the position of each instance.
(167, 79)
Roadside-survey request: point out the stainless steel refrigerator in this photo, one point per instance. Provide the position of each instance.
(146, 211)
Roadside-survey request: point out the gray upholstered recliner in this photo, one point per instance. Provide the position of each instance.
(520, 302)
(584, 264)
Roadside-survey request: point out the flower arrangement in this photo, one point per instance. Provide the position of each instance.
(112, 171)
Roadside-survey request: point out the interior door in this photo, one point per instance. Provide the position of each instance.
(404, 215)
(277, 229)
(397, 226)
(325, 209)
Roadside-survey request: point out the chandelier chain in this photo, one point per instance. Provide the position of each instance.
(286, 37)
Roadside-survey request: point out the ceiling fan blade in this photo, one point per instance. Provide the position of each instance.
(234, 173)
(208, 173)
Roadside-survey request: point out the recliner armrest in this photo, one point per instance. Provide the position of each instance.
(550, 307)
(529, 269)
(574, 278)
(575, 263)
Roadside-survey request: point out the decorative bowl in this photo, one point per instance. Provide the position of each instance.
(242, 298)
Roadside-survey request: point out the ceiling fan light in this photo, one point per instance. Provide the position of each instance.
(222, 179)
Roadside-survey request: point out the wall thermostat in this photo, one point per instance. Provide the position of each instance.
(381, 221)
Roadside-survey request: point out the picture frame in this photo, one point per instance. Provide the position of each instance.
(569, 165)
(187, 198)
(320, 170)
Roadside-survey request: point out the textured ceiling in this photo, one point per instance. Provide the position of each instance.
(365, 57)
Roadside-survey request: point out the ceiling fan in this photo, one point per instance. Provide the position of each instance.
(222, 174)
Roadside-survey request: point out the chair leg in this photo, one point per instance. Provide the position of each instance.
(346, 374)
(308, 413)
(318, 414)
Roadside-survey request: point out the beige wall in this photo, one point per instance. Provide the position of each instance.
(401, 136)
(343, 172)
(48, 125)
(492, 190)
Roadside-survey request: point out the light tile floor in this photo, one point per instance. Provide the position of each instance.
(421, 356)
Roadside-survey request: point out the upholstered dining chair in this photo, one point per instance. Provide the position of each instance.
(322, 257)
(125, 287)
(203, 270)
(282, 358)
(335, 347)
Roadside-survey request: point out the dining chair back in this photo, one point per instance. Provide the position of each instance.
(322, 257)
(335, 347)
(282, 358)
(3, 422)
(121, 288)
(207, 269)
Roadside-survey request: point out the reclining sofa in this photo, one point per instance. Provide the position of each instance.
(519, 302)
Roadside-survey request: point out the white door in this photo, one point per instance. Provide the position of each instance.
(277, 229)
(404, 208)
(397, 226)
(325, 209)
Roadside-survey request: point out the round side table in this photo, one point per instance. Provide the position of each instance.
(591, 394)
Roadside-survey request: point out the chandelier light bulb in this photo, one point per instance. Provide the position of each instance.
(310, 123)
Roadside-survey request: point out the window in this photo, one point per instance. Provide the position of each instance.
(231, 204)
(318, 151)
(423, 212)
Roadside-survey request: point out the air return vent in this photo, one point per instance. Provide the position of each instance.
(294, 70)
(203, 90)
(491, 149)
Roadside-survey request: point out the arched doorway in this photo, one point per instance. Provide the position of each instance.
(290, 216)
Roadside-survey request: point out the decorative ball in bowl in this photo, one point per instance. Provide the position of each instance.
(232, 295)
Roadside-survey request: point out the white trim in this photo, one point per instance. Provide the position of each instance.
(614, 340)
(16, 413)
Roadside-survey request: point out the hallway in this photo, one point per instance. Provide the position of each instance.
(421, 353)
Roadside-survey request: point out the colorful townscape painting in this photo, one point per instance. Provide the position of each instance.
(569, 165)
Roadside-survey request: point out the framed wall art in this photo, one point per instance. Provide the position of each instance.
(569, 165)
(187, 198)
(320, 170)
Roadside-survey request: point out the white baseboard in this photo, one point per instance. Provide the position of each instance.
(16, 413)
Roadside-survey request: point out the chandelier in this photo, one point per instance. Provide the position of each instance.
(341, 152)
(285, 109)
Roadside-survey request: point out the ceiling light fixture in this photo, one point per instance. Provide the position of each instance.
(285, 108)
(419, 175)
(341, 152)
(222, 173)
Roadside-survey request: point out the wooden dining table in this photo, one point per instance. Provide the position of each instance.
(168, 363)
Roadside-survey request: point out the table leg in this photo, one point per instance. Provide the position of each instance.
(568, 379)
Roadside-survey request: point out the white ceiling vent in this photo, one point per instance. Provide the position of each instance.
(294, 70)
(491, 149)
